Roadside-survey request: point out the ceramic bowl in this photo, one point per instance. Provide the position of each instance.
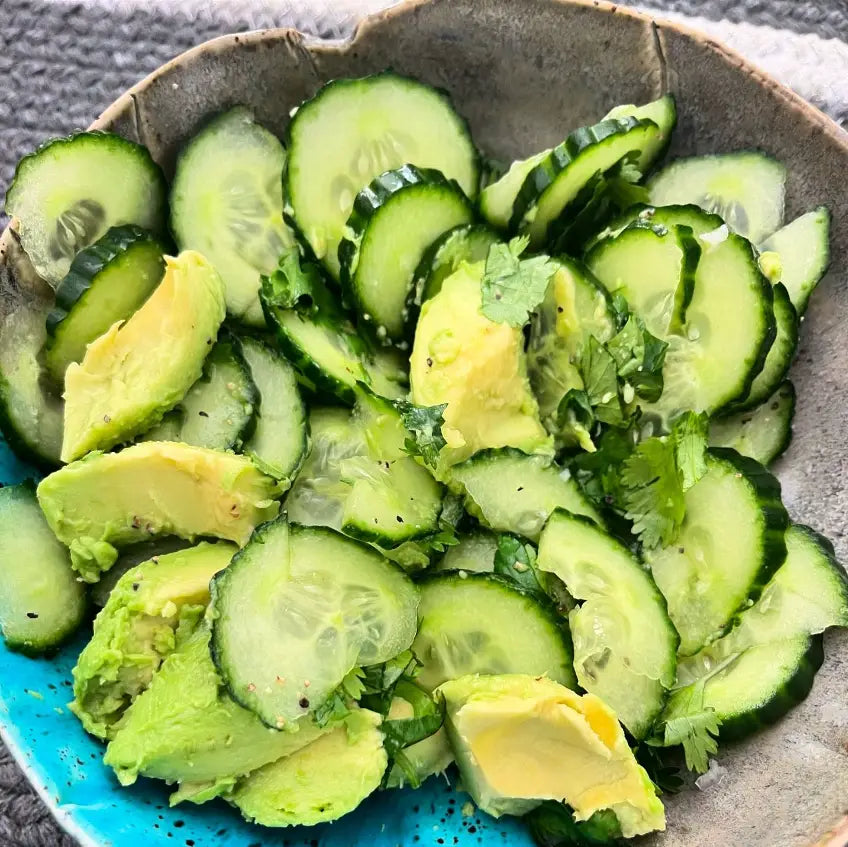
(523, 73)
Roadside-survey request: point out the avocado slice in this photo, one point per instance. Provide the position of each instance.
(148, 611)
(520, 739)
(108, 500)
(138, 369)
(321, 782)
(185, 728)
(478, 368)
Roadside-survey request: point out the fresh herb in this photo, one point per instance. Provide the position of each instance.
(600, 380)
(552, 824)
(453, 511)
(665, 775)
(516, 560)
(428, 717)
(294, 284)
(696, 730)
(639, 358)
(513, 287)
(339, 703)
(424, 424)
(575, 418)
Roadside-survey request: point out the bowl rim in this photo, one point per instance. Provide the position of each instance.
(310, 44)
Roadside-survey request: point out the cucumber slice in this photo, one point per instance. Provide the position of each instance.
(30, 412)
(699, 221)
(319, 604)
(466, 243)
(107, 282)
(351, 131)
(730, 544)
(762, 433)
(41, 601)
(662, 295)
(70, 191)
(497, 199)
(746, 189)
(280, 440)
(754, 688)
(624, 643)
(219, 410)
(483, 623)
(474, 553)
(227, 203)
(803, 246)
(780, 354)
(393, 221)
(663, 113)
(557, 180)
(575, 307)
(510, 491)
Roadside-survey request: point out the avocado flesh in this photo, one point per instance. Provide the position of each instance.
(478, 368)
(185, 728)
(321, 782)
(109, 500)
(138, 369)
(519, 740)
(148, 613)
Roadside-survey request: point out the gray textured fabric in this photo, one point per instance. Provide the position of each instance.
(63, 62)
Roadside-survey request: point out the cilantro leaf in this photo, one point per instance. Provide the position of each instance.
(639, 357)
(516, 560)
(513, 287)
(697, 733)
(600, 379)
(453, 511)
(666, 776)
(690, 434)
(424, 423)
(293, 285)
(575, 418)
(339, 703)
(552, 824)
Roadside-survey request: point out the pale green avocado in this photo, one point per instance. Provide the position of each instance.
(427, 757)
(478, 368)
(139, 369)
(148, 610)
(185, 728)
(521, 739)
(109, 500)
(321, 782)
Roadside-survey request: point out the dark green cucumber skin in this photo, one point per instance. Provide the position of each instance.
(232, 343)
(789, 388)
(793, 692)
(781, 301)
(571, 232)
(545, 173)
(90, 262)
(775, 519)
(368, 536)
(368, 204)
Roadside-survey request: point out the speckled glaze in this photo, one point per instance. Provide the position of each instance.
(523, 73)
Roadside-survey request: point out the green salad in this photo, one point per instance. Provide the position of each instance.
(378, 457)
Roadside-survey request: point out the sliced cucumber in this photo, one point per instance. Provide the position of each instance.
(699, 221)
(762, 433)
(661, 295)
(663, 113)
(319, 604)
(497, 199)
(510, 491)
(393, 221)
(575, 308)
(483, 623)
(465, 243)
(780, 354)
(41, 601)
(227, 203)
(280, 440)
(107, 282)
(624, 643)
(557, 180)
(474, 553)
(69, 192)
(746, 189)
(803, 247)
(730, 544)
(351, 131)
(220, 408)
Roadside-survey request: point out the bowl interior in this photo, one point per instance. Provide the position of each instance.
(523, 74)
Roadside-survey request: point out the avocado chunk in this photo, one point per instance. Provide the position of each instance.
(109, 500)
(138, 369)
(520, 739)
(478, 368)
(148, 611)
(185, 728)
(320, 782)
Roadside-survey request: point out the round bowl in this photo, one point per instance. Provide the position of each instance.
(523, 73)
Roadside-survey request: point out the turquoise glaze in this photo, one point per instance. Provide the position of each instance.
(64, 764)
